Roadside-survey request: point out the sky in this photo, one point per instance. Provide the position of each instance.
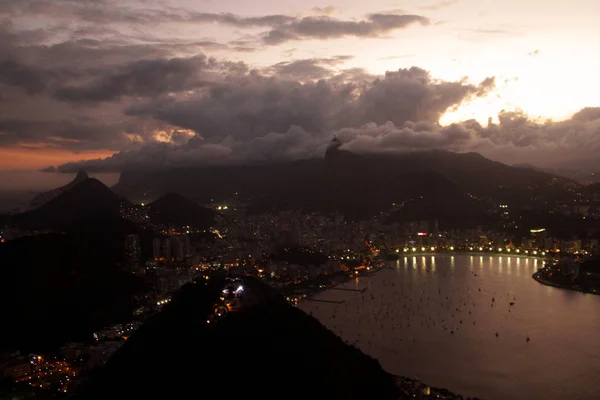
(111, 85)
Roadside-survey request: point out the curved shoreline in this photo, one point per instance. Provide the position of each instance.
(547, 282)
(545, 257)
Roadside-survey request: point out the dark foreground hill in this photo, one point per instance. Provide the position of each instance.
(61, 287)
(266, 351)
(174, 209)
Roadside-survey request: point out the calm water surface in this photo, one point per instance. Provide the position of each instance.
(432, 317)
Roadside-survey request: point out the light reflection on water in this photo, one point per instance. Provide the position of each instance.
(407, 325)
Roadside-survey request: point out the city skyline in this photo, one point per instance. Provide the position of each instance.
(176, 83)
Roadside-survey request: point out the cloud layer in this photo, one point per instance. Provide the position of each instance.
(95, 78)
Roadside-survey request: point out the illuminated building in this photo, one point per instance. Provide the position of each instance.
(132, 252)
(156, 249)
(16, 369)
(166, 249)
(177, 249)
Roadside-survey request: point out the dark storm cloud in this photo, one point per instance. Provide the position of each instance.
(97, 77)
(15, 73)
(587, 114)
(238, 21)
(126, 22)
(142, 78)
(282, 27)
(412, 95)
(73, 133)
(153, 156)
(391, 138)
(309, 68)
(256, 117)
(256, 104)
(322, 27)
(514, 135)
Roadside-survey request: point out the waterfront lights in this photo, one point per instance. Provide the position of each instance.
(534, 252)
(481, 249)
(526, 251)
(414, 249)
(491, 248)
(543, 253)
(451, 248)
(422, 248)
(518, 251)
(397, 250)
(433, 249)
(499, 248)
(470, 248)
(508, 250)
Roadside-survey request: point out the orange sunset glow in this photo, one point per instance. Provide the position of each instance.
(36, 158)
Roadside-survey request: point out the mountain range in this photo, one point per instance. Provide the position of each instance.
(440, 184)
(583, 177)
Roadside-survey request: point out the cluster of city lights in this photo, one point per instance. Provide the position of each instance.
(163, 302)
(451, 248)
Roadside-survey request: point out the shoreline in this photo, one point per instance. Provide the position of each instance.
(473, 253)
(410, 386)
(378, 269)
(536, 277)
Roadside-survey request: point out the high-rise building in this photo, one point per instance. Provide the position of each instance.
(188, 246)
(166, 249)
(177, 248)
(156, 249)
(132, 252)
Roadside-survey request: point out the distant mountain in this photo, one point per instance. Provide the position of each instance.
(267, 351)
(581, 176)
(359, 186)
(528, 166)
(45, 197)
(174, 209)
(86, 200)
